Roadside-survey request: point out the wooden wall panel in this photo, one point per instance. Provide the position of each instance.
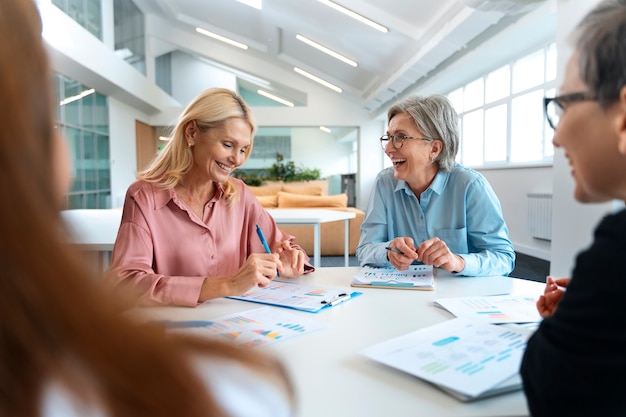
(146, 140)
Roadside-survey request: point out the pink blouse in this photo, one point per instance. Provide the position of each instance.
(163, 251)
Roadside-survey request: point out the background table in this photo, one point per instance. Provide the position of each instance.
(332, 379)
(316, 217)
(94, 231)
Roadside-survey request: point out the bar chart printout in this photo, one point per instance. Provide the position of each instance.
(493, 309)
(251, 328)
(462, 355)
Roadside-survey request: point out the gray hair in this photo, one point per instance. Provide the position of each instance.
(600, 40)
(435, 117)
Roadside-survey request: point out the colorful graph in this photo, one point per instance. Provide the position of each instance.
(231, 335)
(269, 333)
(241, 320)
(294, 327)
(316, 293)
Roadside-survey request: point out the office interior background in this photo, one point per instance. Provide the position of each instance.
(125, 69)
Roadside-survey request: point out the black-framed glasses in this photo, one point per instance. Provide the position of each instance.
(553, 107)
(397, 140)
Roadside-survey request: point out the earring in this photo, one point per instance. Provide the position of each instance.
(432, 160)
(189, 144)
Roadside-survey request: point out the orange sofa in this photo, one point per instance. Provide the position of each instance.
(292, 196)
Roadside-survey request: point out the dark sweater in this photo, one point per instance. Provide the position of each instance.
(575, 363)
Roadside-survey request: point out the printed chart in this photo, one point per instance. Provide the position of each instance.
(493, 309)
(250, 328)
(465, 356)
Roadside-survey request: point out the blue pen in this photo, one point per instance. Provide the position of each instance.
(264, 242)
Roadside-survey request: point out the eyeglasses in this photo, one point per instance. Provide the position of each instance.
(553, 107)
(397, 141)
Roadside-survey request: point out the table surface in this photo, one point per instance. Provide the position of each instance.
(309, 216)
(332, 379)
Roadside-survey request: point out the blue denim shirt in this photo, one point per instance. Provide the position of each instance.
(459, 207)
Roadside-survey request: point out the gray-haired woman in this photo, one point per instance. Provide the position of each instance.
(427, 208)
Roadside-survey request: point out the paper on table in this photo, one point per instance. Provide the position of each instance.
(465, 356)
(414, 276)
(493, 309)
(251, 328)
(297, 296)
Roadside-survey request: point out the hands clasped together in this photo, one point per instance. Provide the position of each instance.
(552, 294)
(433, 252)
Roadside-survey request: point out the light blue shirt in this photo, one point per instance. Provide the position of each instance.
(459, 207)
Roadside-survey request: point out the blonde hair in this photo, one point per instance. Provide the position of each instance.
(210, 109)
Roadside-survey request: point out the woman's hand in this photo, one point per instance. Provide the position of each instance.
(291, 259)
(258, 270)
(548, 302)
(435, 252)
(401, 261)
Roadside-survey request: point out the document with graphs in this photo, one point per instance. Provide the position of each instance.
(467, 359)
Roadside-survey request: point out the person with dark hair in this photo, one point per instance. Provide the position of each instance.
(573, 363)
(428, 208)
(188, 232)
(66, 349)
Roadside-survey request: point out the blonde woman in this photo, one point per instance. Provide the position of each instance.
(188, 231)
(64, 347)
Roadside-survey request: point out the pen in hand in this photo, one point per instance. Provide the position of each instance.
(396, 250)
(264, 242)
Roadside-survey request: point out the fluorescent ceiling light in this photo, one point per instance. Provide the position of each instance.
(354, 15)
(275, 98)
(164, 138)
(324, 129)
(257, 4)
(222, 38)
(76, 97)
(326, 50)
(317, 79)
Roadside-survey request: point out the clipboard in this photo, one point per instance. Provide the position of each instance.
(416, 277)
(297, 296)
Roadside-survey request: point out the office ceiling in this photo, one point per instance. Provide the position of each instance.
(421, 35)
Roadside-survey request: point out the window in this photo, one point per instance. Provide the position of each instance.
(130, 43)
(501, 113)
(82, 117)
(87, 13)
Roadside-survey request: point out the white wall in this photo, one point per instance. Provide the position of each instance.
(511, 187)
(193, 76)
(122, 147)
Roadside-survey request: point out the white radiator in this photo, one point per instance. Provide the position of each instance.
(540, 216)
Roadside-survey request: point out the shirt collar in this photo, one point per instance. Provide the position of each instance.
(164, 196)
(437, 186)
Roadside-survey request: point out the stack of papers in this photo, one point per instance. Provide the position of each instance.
(416, 277)
(465, 358)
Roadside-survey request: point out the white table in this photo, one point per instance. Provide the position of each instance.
(94, 230)
(332, 379)
(316, 217)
